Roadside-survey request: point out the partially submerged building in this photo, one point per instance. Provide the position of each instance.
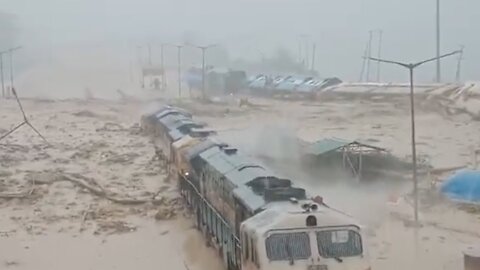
(359, 160)
(335, 158)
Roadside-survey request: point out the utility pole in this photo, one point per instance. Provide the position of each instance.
(140, 62)
(179, 57)
(204, 49)
(139, 55)
(379, 54)
(313, 57)
(305, 59)
(411, 67)
(1, 74)
(162, 63)
(149, 54)
(369, 53)
(10, 51)
(307, 54)
(203, 71)
(300, 51)
(459, 64)
(365, 59)
(439, 79)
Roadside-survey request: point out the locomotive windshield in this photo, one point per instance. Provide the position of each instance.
(288, 246)
(332, 243)
(339, 243)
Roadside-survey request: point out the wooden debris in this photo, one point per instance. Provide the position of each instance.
(20, 195)
(89, 184)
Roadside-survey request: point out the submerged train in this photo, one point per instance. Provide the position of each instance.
(255, 218)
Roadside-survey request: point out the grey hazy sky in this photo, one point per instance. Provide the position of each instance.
(249, 28)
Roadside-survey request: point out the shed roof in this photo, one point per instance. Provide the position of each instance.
(327, 145)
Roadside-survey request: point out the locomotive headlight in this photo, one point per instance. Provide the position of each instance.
(187, 173)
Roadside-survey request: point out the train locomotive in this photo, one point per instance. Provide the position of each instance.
(255, 218)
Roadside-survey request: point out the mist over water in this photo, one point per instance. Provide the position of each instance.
(276, 145)
(251, 30)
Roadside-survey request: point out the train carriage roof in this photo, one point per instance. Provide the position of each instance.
(185, 142)
(172, 118)
(204, 145)
(250, 200)
(175, 130)
(218, 160)
(286, 215)
(165, 110)
(172, 111)
(172, 121)
(253, 185)
(175, 135)
(246, 173)
(238, 169)
(158, 110)
(186, 122)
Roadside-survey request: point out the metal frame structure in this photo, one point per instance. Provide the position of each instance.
(411, 67)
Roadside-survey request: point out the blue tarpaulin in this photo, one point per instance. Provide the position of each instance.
(464, 185)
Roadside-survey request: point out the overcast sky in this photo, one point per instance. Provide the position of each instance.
(252, 27)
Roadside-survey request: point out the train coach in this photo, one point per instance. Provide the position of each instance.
(170, 124)
(255, 218)
(148, 121)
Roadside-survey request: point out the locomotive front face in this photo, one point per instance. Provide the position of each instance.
(289, 238)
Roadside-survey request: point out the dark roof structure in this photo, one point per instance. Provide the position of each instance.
(328, 145)
(253, 185)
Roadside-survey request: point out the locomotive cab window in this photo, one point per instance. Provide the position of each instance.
(288, 246)
(339, 243)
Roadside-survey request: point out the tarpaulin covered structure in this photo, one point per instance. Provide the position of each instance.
(464, 185)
